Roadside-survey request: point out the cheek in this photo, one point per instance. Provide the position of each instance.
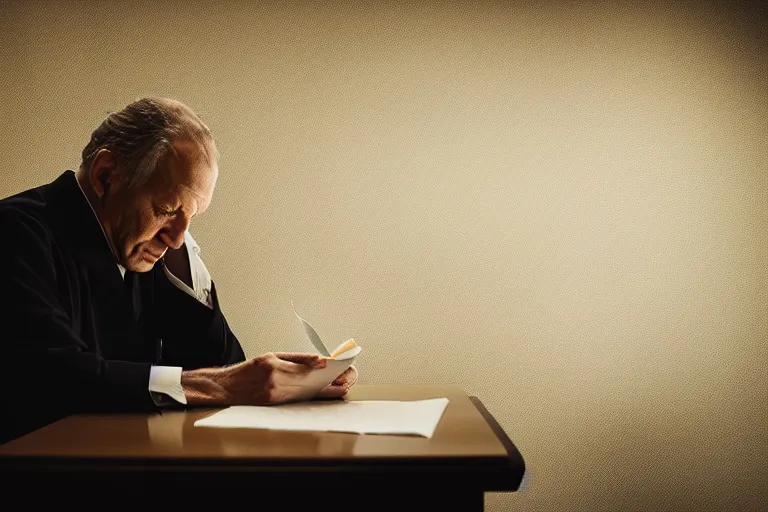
(149, 229)
(143, 228)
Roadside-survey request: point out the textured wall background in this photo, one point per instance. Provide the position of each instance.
(561, 207)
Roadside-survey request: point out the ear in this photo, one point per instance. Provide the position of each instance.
(104, 174)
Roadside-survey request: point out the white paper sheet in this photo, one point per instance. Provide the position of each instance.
(419, 417)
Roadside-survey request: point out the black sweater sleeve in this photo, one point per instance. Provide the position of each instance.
(194, 335)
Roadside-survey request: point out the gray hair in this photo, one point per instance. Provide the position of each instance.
(142, 134)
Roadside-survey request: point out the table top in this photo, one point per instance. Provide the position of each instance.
(468, 452)
(463, 432)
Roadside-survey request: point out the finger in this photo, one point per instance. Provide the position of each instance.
(348, 378)
(342, 380)
(312, 360)
(292, 368)
(333, 392)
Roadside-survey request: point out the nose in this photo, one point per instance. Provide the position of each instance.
(173, 234)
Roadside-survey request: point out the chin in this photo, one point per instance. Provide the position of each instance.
(144, 266)
(140, 264)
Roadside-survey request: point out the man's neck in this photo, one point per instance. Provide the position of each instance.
(92, 198)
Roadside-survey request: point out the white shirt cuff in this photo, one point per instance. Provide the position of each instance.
(167, 380)
(201, 278)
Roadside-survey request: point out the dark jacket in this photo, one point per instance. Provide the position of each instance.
(72, 336)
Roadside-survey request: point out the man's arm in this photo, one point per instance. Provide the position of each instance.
(185, 269)
(186, 313)
(215, 370)
(271, 378)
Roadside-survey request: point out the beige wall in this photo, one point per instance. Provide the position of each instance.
(561, 208)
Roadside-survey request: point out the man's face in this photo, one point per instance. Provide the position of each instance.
(143, 223)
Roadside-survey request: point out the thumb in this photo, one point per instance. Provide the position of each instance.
(313, 360)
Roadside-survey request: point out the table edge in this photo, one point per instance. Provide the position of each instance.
(514, 457)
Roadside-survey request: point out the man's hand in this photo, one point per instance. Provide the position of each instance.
(271, 378)
(339, 388)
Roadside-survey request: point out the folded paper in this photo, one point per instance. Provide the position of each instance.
(337, 362)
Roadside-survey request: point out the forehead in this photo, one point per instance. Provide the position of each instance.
(187, 176)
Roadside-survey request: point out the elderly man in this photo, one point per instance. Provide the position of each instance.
(107, 305)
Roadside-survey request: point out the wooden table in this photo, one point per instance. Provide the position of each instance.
(99, 461)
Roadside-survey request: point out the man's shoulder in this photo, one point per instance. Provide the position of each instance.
(25, 209)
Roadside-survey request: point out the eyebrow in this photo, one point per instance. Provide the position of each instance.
(164, 208)
(180, 209)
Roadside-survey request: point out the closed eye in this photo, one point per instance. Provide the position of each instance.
(164, 212)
